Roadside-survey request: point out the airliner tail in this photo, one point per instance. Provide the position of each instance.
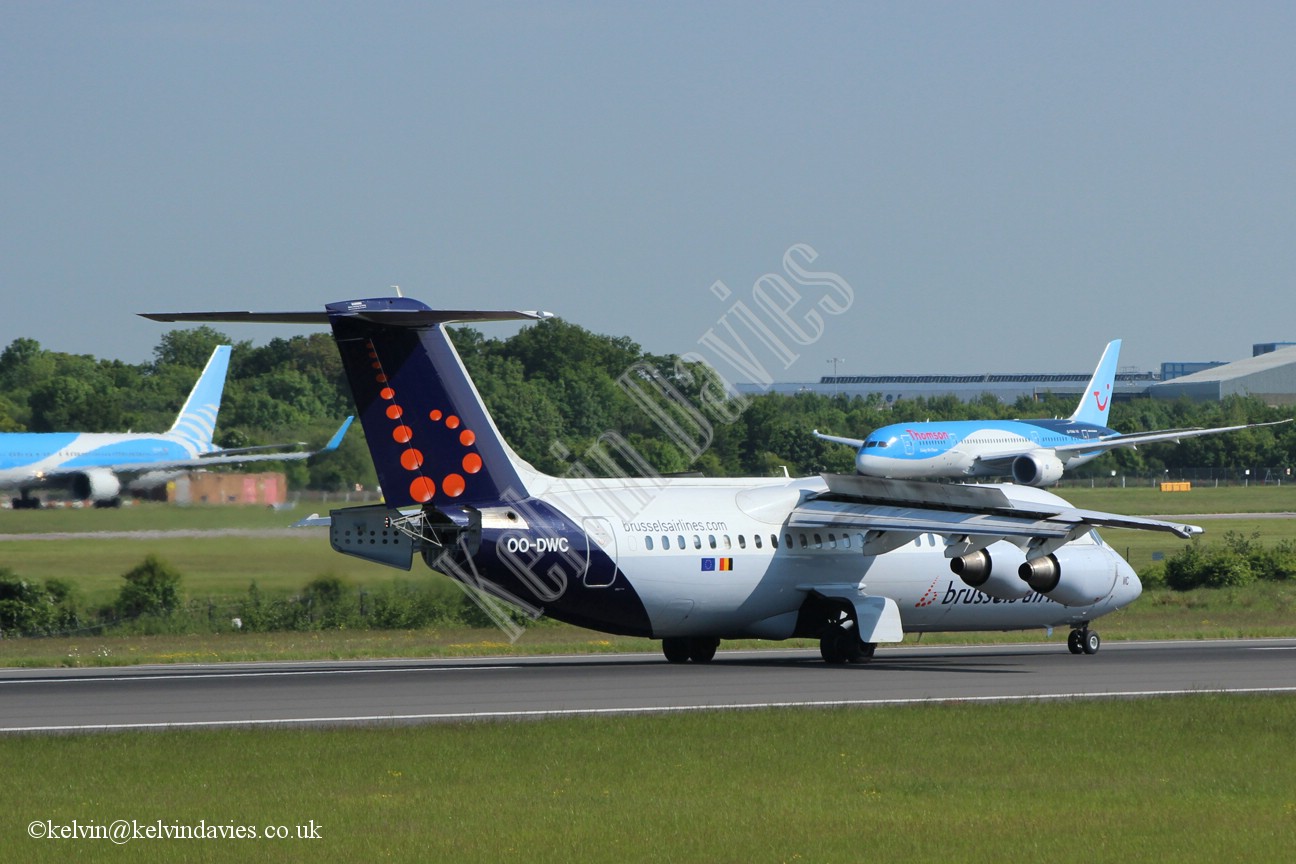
(197, 419)
(1095, 404)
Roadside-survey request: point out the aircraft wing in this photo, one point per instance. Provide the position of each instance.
(891, 513)
(233, 456)
(1134, 439)
(849, 442)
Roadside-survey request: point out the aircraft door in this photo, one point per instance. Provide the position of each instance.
(600, 569)
(908, 444)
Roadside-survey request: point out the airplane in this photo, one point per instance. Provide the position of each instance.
(847, 560)
(90, 465)
(1031, 452)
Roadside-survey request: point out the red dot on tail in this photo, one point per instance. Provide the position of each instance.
(435, 415)
(466, 437)
(472, 463)
(402, 434)
(412, 460)
(453, 485)
(387, 393)
(452, 421)
(422, 489)
(394, 412)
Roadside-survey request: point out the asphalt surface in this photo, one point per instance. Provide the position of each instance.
(405, 691)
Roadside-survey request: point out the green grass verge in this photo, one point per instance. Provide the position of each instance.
(1187, 779)
(1145, 501)
(1258, 610)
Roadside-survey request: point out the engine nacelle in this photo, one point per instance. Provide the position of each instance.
(99, 484)
(978, 570)
(1037, 468)
(1073, 575)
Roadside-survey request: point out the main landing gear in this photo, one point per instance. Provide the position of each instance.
(1083, 641)
(841, 644)
(680, 650)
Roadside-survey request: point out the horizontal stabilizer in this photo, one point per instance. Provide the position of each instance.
(388, 312)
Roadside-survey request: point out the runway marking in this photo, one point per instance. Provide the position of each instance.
(661, 709)
(186, 676)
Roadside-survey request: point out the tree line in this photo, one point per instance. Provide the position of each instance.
(570, 401)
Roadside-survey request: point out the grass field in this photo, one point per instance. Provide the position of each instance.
(1186, 779)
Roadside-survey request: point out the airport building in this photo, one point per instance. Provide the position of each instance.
(1269, 375)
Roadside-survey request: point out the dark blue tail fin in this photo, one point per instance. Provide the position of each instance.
(430, 437)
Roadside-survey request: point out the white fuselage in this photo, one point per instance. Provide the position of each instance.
(719, 557)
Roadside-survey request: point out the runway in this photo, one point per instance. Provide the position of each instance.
(405, 691)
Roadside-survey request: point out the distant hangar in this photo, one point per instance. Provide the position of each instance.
(1269, 375)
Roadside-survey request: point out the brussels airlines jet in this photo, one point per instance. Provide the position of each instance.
(850, 561)
(1031, 452)
(89, 464)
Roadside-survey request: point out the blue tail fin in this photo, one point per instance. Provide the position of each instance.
(431, 439)
(196, 421)
(1096, 401)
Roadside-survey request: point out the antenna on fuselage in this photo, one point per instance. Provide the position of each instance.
(396, 288)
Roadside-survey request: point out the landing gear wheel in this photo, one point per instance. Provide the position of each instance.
(702, 650)
(676, 649)
(865, 653)
(1090, 642)
(831, 646)
(1074, 643)
(841, 645)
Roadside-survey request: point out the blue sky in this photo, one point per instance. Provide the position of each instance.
(1004, 186)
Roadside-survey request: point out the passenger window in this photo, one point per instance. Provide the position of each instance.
(818, 542)
(679, 541)
(755, 539)
(711, 540)
(774, 541)
(697, 541)
(665, 542)
(845, 541)
(788, 538)
(648, 543)
(727, 544)
(832, 541)
(742, 542)
(804, 544)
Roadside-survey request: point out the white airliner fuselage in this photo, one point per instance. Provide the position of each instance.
(851, 561)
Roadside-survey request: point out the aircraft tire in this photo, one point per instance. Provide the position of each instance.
(1091, 642)
(702, 650)
(676, 649)
(1074, 643)
(835, 645)
(864, 654)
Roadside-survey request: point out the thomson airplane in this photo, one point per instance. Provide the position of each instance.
(1031, 452)
(90, 464)
(850, 561)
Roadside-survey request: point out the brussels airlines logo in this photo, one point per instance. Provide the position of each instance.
(929, 596)
(422, 488)
(1100, 402)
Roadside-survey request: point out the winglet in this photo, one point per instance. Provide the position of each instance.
(1095, 404)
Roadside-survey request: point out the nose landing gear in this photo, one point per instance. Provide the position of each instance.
(1083, 641)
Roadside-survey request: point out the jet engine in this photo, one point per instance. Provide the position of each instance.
(1073, 575)
(97, 485)
(1037, 468)
(978, 569)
